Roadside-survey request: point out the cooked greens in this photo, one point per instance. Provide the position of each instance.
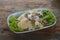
(50, 18)
(13, 24)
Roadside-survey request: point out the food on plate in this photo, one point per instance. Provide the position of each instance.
(31, 20)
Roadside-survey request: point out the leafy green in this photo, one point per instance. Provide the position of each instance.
(13, 24)
(48, 16)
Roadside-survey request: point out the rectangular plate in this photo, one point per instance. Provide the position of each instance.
(20, 13)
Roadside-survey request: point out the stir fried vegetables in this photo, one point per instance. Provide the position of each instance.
(31, 20)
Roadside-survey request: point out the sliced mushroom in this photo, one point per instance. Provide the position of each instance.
(39, 24)
(40, 12)
(24, 23)
(21, 17)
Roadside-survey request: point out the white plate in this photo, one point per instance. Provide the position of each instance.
(20, 13)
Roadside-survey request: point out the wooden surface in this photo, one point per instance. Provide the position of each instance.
(8, 7)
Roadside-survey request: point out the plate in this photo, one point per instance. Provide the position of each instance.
(22, 12)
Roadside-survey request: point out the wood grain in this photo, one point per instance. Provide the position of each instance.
(8, 7)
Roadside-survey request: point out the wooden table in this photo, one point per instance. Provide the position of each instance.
(8, 7)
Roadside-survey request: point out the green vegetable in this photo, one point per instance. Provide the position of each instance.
(48, 16)
(13, 24)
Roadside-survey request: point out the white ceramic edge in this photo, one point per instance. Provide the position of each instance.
(30, 30)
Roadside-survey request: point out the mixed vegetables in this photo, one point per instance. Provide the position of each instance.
(31, 20)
